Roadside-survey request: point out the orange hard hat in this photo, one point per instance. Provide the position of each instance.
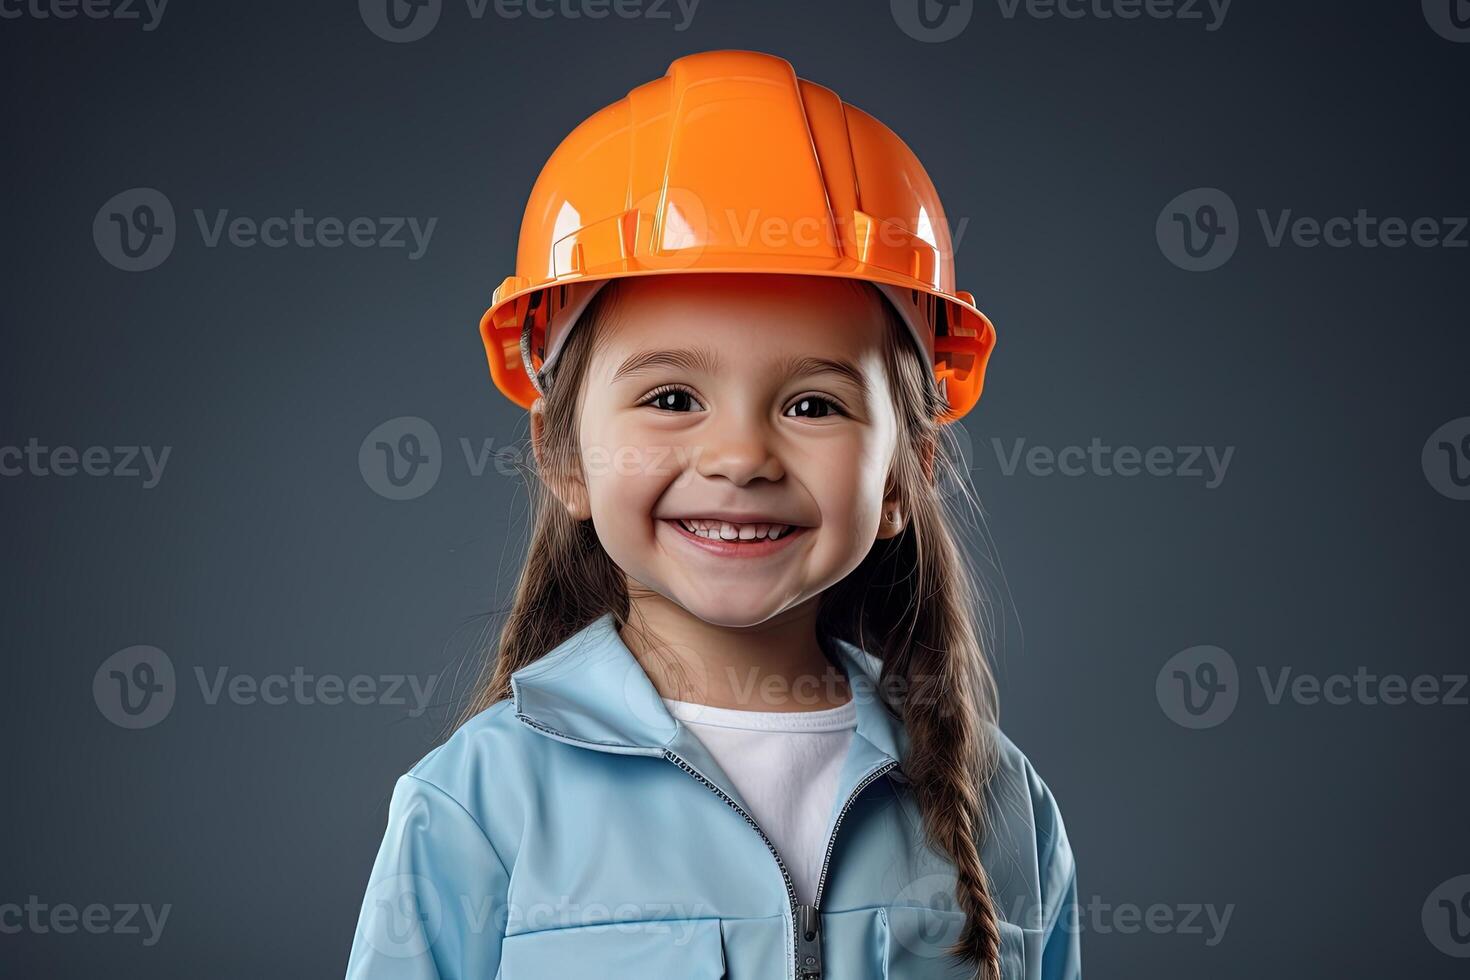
(730, 163)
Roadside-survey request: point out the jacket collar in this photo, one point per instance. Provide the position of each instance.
(591, 690)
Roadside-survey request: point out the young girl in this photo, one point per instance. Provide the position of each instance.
(739, 723)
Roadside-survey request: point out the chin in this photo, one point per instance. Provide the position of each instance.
(731, 609)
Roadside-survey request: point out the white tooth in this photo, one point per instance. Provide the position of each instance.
(728, 531)
(747, 532)
(777, 530)
(763, 530)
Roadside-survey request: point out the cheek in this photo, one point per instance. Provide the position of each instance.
(626, 475)
(847, 478)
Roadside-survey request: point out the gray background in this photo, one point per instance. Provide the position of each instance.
(265, 548)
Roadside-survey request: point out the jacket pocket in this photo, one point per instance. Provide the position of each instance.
(1013, 953)
(914, 941)
(690, 949)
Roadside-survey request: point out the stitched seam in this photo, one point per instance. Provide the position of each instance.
(562, 736)
(448, 796)
(1056, 912)
(613, 923)
(885, 908)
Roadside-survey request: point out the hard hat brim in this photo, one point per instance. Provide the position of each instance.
(959, 352)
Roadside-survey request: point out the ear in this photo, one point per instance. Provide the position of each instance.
(565, 482)
(891, 517)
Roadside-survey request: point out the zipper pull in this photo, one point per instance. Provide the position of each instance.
(808, 943)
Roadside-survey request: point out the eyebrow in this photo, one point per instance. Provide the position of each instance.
(804, 365)
(689, 358)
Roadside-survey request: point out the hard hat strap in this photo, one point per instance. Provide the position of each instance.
(526, 324)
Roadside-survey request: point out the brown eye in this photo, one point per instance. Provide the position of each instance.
(671, 400)
(821, 407)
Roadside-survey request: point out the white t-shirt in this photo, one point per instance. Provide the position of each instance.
(785, 766)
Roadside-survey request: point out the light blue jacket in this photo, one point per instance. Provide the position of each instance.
(579, 830)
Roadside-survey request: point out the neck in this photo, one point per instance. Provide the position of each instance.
(777, 665)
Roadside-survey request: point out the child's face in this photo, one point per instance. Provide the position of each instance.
(752, 433)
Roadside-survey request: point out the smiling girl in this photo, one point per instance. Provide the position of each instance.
(739, 723)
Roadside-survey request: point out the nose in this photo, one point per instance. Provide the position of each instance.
(738, 448)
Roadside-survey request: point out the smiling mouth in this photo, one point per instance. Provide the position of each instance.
(728, 531)
(725, 539)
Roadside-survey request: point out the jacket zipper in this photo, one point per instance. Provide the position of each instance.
(796, 916)
(832, 841)
(806, 920)
(809, 942)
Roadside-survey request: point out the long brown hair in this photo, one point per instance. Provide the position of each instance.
(914, 602)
